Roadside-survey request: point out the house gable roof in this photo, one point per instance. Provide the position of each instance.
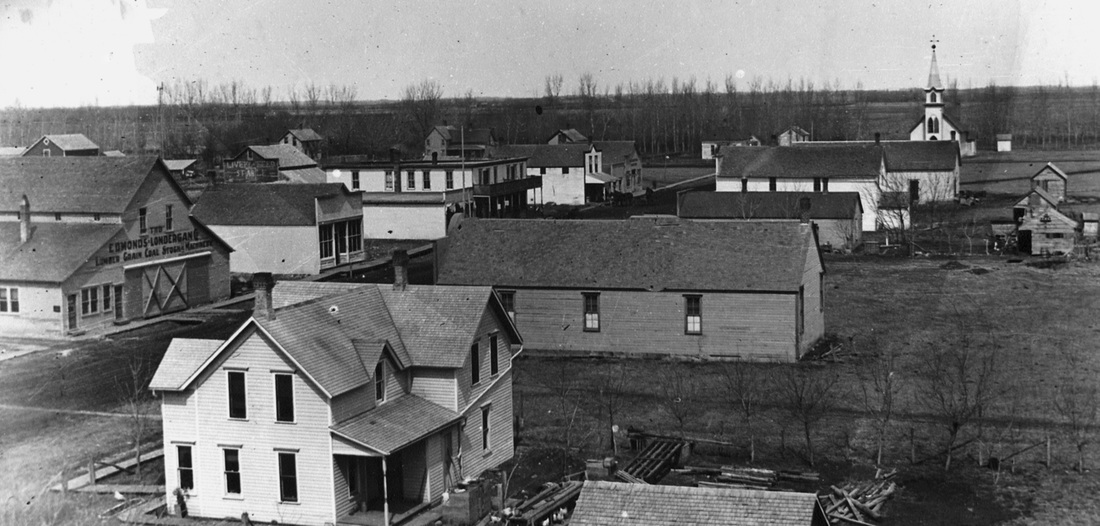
(768, 205)
(54, 252)
(921, 156)
(1043, 194)
(571, 135)
(859, 160)
(70, 141)
(1053, 169)
(263, 204)
(305, 134)
(183, 357)
(179, 165)
(75, 184)
(288, 156)
(615, 152)
(604, 503)
(636, 254)
(471, 136)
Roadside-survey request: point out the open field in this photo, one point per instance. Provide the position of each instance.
(1040, 324)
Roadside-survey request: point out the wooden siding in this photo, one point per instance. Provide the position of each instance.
(434, 458)
(490, 324)
(258, 438)
(344, 503)
(933, 185)
(396, 381)
(475, 460)
(750, 326)
(354, 402)
(813, 308)
(414, 471)
(435, 385)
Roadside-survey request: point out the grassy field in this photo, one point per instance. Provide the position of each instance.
(1039, 322)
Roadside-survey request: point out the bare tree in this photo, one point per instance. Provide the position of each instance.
(421, 106)
(806, 397)
(881, 387)
(678, 390)
(610, 396)
(553, 87)
(1077, 402)
(744, 389)
(135, 397)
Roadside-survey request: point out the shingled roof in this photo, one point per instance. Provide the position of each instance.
(861, 160)
(398, 423)
(306, 134)
(921, 156)
(768, 205)
(615, 503)
(183, 357)
(615, 152)
(70, 141)
(545, 155)
(289, 157)
(53, 253)
(263, 204)
(570, 135)
(635, 254)
(74, 184)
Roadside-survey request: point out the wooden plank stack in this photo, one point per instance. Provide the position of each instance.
(655, 461)
(749, 478)
(858, 503)
(546, 506)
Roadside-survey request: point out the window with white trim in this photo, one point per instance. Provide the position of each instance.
(411, 176)
(89, 300)
(9, 299)
(693, 314)
(475, 365)
(485, 411)
(355, 179)
(288, 477)
(238, 407)
(449, 180)
(426, 176)
(232, 471)
(185, 468)
(380, 381)
(284, 397)
(107, 297)
(168, 218)
(494, 355)
(326, 236)
(591, 311)
(508, 301)
(389, 181)
(143, 220)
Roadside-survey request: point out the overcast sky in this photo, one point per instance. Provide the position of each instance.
(75, 52)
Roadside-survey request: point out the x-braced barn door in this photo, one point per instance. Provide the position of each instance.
(165, 288)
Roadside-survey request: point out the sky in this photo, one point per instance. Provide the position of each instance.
(115, 52)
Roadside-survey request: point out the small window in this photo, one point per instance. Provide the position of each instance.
(450, 180)
(355, 236)
(380, 381)
(237, 406)
(542, 171)
(411, 180)
(326, 236)
(288, 477)
(475, 365)
(107, 297)
(824, 184)
(9, 299)
(817, 184)
(143, 224)
(565, 170)
(426, 176)
(508, 301)
(693, 314)
(485, 427)
(355, 179)
(1058, 235)
(591, 312)
(494, 355)
(89, 300)
(232, 471)
(771, 184)
(932, 96)
(168, 218)
(184, 467)
(57, 216)
(389, 181)
(95, 217)
(744, 185)
(284, 397)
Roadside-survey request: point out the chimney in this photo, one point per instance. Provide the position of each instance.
(878, 138)
(262, 283)
(25, 220)
(400, 269)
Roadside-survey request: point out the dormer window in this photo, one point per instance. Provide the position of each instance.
(380, 381)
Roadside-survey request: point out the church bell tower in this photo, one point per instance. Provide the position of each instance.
(933, 103)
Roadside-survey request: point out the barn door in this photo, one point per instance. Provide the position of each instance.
(164, 288)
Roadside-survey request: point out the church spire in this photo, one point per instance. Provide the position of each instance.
(934, 73)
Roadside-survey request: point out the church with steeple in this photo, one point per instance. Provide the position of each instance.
(935, 125)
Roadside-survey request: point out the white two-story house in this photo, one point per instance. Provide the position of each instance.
(338, 403)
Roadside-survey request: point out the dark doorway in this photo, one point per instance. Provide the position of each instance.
(118, 303)
(1023, 241)
(914, 191)
(72, 312)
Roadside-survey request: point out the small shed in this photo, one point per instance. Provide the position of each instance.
(1052, 180)
(793, 135)
(1090, 225)
(1051, 233)
(1004, 142)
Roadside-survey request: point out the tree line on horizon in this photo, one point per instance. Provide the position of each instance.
(664, 118)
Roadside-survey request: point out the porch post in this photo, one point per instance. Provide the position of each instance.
(385, 495)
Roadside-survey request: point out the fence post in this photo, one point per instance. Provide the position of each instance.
(91, 471)
(912, 446)
(1048, 450)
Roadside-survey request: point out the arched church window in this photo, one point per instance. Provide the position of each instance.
(932, 97)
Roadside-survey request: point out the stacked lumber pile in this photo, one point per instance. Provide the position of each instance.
(858, 503)
(655, 461)
(550, 506)
(748, 478)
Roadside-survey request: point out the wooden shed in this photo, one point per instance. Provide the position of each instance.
(1052, 181)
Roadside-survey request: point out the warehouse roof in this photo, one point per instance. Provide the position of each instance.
(638, 254)
(264, 204)
(768, 205)
(306, 134)
(74, 184)
(70, 141)
(53, 253)
(860, 160)
(288, 156)
(921, 156)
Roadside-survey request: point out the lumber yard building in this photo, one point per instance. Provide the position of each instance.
(62, 145)
(748, 290)
(602, 503)
(270, 164)
(339, 403)
(836, 216)
(416, 199)
(86, 242)
(287, 229)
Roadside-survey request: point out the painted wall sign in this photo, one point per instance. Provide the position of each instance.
(153, 246)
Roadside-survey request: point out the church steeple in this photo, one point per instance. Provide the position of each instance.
(935, 125)
(934, 74)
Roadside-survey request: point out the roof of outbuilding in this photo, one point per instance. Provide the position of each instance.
(637, 254)
(1004, 136)
(307, 175)
(71, 141)
(306, 134)
(604, 503)
(177, 165)
(54, 252)
(921, 156)
(546, 155)
(289, 157)
(73, 184)
(572, 134)
(796, 130)
(398, 423)
(1054, 169)
(1025, 201)
(615, 152)
(263, 204)
(183, 357)
(11, 151)
(801, 162)
(768, 205)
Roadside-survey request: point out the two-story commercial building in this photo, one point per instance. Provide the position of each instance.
(86, 242)
(416, 199)
(749, 290)
(576, 173)
(269, 164)
(287, 229)
(339, 403)
(445, 143)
